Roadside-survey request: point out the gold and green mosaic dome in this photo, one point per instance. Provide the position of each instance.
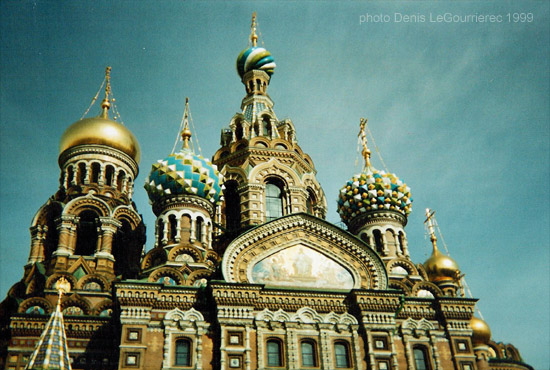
(373, 190)
(183, 173)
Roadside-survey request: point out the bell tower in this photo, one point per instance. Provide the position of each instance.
(267, 175)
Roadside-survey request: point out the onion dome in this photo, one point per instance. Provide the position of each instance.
(441, 267)
(481, 331)
(184, 173)
(255, 57)
(372, 190)
(101, 130)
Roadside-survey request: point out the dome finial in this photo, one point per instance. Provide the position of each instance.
(363, 138)
(106, 104)
(253, 36)
(186, 132)
(429, 215)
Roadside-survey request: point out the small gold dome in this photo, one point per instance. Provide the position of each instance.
(441, 267)
(482, 332)
(100, 131)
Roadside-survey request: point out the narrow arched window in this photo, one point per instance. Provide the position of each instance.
(87, 233)
(378, 242)
(121, 240)
(120, 180)
(232, 206)
(198, 229)
(310, 203)
(160, 231)
(81, 173)
(420, 358)
(109, 174)
(239, 131)
(273, 200)
(308, 352)
(95, 172)
(274, 353)
(70, 175)
(266, 127)
(341, 355)
(183, 352)
(173, 226)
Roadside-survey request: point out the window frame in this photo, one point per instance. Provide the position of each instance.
(279, 342)
(347, 354)
(314, 355)
(189, 341)
(426, 354)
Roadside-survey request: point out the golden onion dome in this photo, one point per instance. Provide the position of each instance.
(100, 131)
(440, 267)
(481, 331)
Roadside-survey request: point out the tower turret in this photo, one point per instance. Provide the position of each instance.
(184, 189)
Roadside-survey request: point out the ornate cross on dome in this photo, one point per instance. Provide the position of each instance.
(429, 215)
(363, 137)
(186, 132)
(253, 36)
(105, 105)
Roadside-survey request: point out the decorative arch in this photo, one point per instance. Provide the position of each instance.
(197, 275)
(127, 213)
(89, 202)
(403, 263)
(171, 272)
(50, 283)
(186, 249)
(274, 168)
(426, 285)
(35, 301)
(155, 257)
(76, 300)
(102, 306)
(304, 233)
(103, 283)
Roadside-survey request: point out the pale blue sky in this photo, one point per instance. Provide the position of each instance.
(460, 111)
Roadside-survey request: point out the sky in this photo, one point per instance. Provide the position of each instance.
(456, 95)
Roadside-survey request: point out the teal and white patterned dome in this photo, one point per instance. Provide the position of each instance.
(255, 58)
(373, 190)
(183, 173)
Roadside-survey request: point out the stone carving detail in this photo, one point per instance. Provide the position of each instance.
(306, 315)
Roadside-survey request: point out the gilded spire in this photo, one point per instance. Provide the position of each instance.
(363, 137)
(253, 36)
(431, 229)
(52, 351)
(106, 104)
(186, 132)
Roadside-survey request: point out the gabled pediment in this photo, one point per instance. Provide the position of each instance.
(303, 251)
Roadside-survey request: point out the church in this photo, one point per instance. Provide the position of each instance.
(245, 272)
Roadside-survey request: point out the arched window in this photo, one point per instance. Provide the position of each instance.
(309, 353)
(232, 206)
(310, 202)
(378, 242)
(239, 131)
(274, 353)
(420, 358)
(70, 175)
(120, 180)
(121, 241)
(273, 200)
(173, 226)
(81, 173)
(109, 174)
(86, 233)
(401, 238)
(95, 172)
(198, 229)
(183, 352)
(266, 126)
(341, 355)
(160, 231)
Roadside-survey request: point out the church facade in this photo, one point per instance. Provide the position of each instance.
(245, 272)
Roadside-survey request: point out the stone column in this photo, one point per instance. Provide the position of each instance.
(65, 224)
(38, 234)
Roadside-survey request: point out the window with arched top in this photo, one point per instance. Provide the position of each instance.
(109, 174)
(173, 226)
(310, 202)
(378, 242)
(266, 126)
(121, 241)
(160, 231)
(341, 355)
(81, 173)
(96, 168)
(308, 352)
(274, 353)
(401, 239)
(70, 175)
(239, 131)
(182, 352)
(232, 206)
(273, 200)
(198, 229)
(120, 180)
(87, 233)
(421, 361)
